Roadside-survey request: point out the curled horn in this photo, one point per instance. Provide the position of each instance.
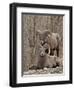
(47, 32)
(38, 32)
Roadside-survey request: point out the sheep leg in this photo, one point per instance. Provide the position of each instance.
(57, 52)
(51, 52)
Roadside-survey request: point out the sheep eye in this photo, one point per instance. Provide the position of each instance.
(46, 51)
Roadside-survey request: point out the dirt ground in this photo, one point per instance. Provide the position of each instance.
(57, 70)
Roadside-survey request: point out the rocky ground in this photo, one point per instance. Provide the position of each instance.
(57, 70)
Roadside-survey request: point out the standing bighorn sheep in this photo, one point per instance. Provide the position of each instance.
(53, 39)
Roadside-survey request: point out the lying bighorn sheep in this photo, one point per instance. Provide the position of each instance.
(44, 59)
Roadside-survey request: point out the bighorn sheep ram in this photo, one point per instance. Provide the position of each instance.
(53, 39)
